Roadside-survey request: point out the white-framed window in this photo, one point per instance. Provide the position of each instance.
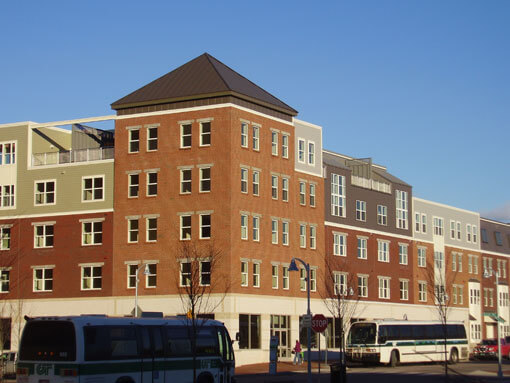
(91, 233)
(302, 235)
(133, 185)
(205, 273)
(205, 226)
(439, 259)
(312, 195)
(475, 234)
(313, 237)
(205, 179)
(274, 187)
(93, 188)
(362, 286)
(302, 279)
(422, 257)
(255, 182)
(131, 275)
(152, 229)
(185, 179)
(43, 278)
(285, 277)
(256, 137)
(43, 235)
(452, 229)
(285, 145)
(459, 237)
(256, 274)
(7, 196)
(285, 189)
(438, 226)
(301, 150)
(403, 250)
(244, 226)
(244, 180)
(256, 228)
(5, 237)
(361, 210)
(311, 153)
(205, 133)
(244, 273)
(45, 192)
(337, 195)
(285, 233)
(133, 230)
(152, 184)
(382, 215)
(422, 291)
(302, 193)
(5, 280)
(383, 251)
(340, 283)
(274, 231)
(402, 209)
(384, 287)
(313, 279)
(424, 223)
(7, 153)
(244, 134)
(274, 276)
(185, 273)
(185, 136)
(152, 277)
(474, 296)
(134, 140)
(362, 247)
(91, 277)
(274, 143)
(340, 244)
(152, 138)
(468, 233)
(404, 289)
(185, 223)
(417, 222)
(458, 294)
(457, 262)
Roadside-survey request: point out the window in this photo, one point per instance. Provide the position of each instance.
(274, 143)
(337, 195)
(285, 189)
(152, 184)
(468, 233)
(7, 196)
(133, 230)
(422, 291)
(256, 274)
(439, 259)
(452, 230)
(255, 182)
(384, 287)
(4, 281)
(499, 238)
(274, 276)
(285, 277)
(8, 153)
(362, 248)
(274, 231)
(474, 296)
(152, 229)
(361, 210)
(457, 262)
(151, 277)
(205, 226)
(43, 236)
(185, 227)
(274, 187)
(249, 331)
(313, 279)
(244, 226)
(45, 193)
(312, 195)
(485, 237)
(133, 185)
(244, 273)
(5, 238)
(339, 244)
(475, 234)
(383, 251)
(255, 228)
(91, 277)
(458, 231)
(301, 150)
(256, 138)
(340, 283)
(472, 264)
(302, 236)
(311, 153)
(458, 294)
(403, 253)
(131, 276)
(313, 237)
(422, 257)
(134, 140)
(424, 223)
(205, 133)
(382, 215)
(244, 180)
(402, 207)
(302, 279)
(285, 233)
(244, 135)
(185, 136)
(404, 289)
(438, 226)
(92, 233)
(302, 193)
(363, 286)
(93, 188)
(152, 139)
(43, 279)
(205, 273)
(285, 145)
(205, 179)
(185, 181)
(417, 224)
(185, 271)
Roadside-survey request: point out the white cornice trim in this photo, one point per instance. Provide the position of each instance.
(494, 253)
(309, 173)
(446, 206)
(74, 121)
(309, 124)
(76, 212)
(356, 228)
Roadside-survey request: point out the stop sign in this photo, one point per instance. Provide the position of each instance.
(319, 323)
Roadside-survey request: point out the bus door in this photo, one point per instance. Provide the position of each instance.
(227, 355)
(152, 354)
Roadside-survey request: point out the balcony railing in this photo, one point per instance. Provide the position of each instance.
(371, 184)
(71, 156)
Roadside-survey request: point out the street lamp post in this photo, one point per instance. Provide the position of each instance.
(487, 274)
(293, 267)
(146, 271)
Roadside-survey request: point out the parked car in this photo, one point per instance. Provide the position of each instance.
(9, 360)
(488, 349)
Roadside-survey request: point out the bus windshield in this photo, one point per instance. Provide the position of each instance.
(362, 333)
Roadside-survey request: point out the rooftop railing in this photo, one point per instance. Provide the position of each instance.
(371, 184)
(72, 156)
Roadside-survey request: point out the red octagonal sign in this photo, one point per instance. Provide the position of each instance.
(319, 323)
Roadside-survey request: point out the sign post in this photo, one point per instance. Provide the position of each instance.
(319, 324)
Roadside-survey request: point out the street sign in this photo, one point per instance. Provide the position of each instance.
(306, 321)
(319, 323)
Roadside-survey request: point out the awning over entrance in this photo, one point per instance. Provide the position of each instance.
(492, 318)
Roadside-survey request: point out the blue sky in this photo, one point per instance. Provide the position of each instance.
(422, 87)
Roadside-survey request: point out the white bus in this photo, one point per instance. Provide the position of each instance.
(403, 341)
(78, 349)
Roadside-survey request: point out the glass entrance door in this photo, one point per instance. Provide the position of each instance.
(280, 327)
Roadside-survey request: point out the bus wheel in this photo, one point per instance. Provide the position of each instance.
(394, 358)
(454, 356)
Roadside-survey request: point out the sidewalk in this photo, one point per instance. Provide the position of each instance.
(285, 372)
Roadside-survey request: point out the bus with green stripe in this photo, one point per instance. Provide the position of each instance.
(403, 341)
(81, 349)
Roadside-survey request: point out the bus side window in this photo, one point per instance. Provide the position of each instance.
(178, 342)
(157, 341)
(146, 342)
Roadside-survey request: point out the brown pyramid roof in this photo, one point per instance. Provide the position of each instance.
(201, 77)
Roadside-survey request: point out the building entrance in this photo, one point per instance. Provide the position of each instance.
(280, 327)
